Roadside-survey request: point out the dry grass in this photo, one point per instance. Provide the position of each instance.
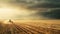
(35, 26)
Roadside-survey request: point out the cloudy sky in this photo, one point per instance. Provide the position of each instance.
(31, 9)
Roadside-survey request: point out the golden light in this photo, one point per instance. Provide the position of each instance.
(6, 13)
(11, 13)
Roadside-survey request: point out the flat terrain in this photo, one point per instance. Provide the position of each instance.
(30, 27)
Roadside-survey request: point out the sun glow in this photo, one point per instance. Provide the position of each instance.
(6, 13)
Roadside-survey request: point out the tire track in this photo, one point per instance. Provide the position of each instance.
(31, 29)
(24, 29)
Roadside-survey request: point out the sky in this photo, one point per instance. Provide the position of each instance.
(30, 9)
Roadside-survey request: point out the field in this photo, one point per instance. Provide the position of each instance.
(30, 27)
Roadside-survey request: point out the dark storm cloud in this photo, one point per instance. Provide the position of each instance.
(44, 8)
(40, 3)
(48, 13)
(51, 13)
(36, 3)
